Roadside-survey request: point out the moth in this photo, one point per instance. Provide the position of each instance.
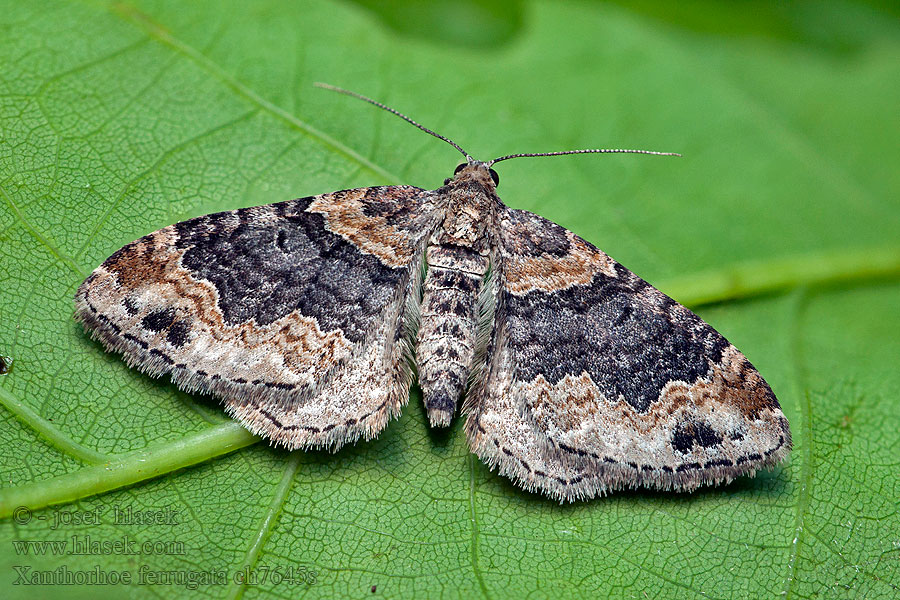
(307, 318)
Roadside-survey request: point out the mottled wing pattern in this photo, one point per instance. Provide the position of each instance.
(594, 380)
(292, 313)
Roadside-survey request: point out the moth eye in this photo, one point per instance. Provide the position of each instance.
(447, 181)
(495, 177)
(459, 168)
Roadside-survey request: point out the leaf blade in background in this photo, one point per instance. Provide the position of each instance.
(118, 119)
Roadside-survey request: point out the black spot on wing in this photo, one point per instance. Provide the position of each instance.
(178, 333)
(131, 307)
(687, 436)
(158, 319)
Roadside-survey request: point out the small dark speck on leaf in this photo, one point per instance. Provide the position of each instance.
(5, 364)
(373, 589)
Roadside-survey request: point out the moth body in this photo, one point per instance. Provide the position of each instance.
(457, 258)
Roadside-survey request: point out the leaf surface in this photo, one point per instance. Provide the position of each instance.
(118, 119)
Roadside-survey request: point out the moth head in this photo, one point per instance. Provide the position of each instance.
(475, 171)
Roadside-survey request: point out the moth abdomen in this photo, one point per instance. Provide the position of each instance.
(447, 329)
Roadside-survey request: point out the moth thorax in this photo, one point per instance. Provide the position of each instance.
(469, 218)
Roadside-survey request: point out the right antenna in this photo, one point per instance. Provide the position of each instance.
(588, 151)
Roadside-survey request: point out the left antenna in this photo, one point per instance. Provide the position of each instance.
(326, 86)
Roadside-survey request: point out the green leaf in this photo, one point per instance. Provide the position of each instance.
(117, 119)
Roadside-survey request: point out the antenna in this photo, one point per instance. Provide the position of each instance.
(588, 151)
(469, 159)
(326, 86)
